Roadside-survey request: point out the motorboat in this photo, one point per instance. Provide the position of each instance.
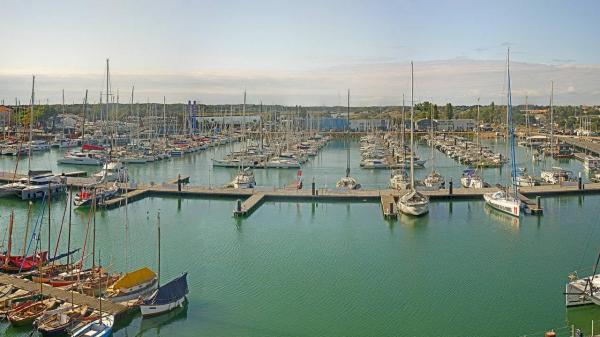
(82, 158)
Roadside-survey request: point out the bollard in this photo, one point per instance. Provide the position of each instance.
(179, 182)
(450, 186)
(239, 206)
(579, 182)
(313, 187)
(391, 208)
(538, 201)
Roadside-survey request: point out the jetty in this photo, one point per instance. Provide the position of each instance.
(389, 206)
(64, 295)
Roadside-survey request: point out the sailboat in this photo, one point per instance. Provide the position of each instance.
(434, 180)
(348, 182)
(503, 200)
(100, 328)
(413, 202)
(470, 177)
(167, 297)
(399, 179)
(245, 176)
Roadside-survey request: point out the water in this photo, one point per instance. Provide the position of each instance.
(340, 269)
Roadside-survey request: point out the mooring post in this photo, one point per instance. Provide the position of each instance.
(313, 187)
(391, 208)
(450, 186)
(179, 182)
(579, 181)
(538, 201)
(239, 206)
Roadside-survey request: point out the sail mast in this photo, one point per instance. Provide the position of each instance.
(511, 131)
(347, 137)
(412, 127)
(30, 131)
(158, 218)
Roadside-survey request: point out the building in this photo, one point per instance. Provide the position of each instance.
(229, 120)
(446, 125)
(332, 124)
(369, 124)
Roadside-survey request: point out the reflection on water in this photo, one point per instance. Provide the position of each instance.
(511, 222)
(155, 324)
(585, 318)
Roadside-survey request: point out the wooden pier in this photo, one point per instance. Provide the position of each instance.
(388, 206)
(64, 295)
(533, 206)
(249, 205)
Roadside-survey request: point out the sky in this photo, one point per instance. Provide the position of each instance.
(301, 52)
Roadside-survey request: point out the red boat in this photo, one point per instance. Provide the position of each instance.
(15, 264)
(90, 147)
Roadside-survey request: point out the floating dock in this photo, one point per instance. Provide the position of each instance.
(64, 295)
(388, 206)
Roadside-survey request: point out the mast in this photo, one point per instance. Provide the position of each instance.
(83, 124)
(27, 228)
(49, 217)
(30, 131)
(158, 218)
(165, 117)
(10, 230)
(107, 92)
(511, 131)
(244, 119)
(347, 137)
(69, 235)
(552, 117)
(403, 137)
(412, 127)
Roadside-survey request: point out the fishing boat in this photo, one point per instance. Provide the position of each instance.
(347, 182)
(167, 297)
(504, 200)
(413, 202)
(25, 316)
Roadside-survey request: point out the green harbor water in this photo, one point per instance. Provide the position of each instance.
(338, 269)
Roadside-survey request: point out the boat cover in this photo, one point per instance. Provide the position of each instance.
(134, 278)
(170, 292)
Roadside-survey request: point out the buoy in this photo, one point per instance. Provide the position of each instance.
(550, 334)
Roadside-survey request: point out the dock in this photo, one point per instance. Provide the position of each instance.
(586, 146)
(388, 206)
(533, 206)
(249, 205)
(64, 295)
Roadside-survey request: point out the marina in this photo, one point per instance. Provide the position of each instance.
(202, 169)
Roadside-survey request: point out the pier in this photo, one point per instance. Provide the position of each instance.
(586, 146)
(64, 295)
(388, 206)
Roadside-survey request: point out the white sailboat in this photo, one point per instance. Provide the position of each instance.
(470, 177)
(348, 182)
(399, 179)
(413, 202)
(504, 200)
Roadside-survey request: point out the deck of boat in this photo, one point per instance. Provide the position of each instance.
(64, 295)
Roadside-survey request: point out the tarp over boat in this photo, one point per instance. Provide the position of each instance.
(134, 278)
(169, 292)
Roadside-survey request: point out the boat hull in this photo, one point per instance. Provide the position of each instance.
(155, 310)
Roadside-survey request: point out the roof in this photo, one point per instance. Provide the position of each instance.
(133, 278)
(5, 109)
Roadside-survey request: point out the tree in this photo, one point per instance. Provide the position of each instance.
(436, 114)
(449, 111)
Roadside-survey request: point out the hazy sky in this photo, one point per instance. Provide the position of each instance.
(301, 52)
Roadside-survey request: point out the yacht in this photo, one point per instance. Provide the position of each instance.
(39, 145)
(244, 179)
(347, 183)
(40, 185)
(87, 195)
(112, 171)
(504, 202)
(556, 175)
(400, 181)
(414, 203)
(434, 181)
(523, 179)
(81, 158)
(470, 179)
